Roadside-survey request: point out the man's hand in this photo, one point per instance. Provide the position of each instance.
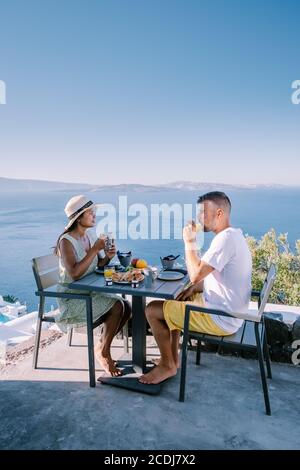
(188, 293)
(189, 233)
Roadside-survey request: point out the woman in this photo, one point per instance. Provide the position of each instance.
(78, 251)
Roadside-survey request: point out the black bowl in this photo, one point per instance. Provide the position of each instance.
(124, 257)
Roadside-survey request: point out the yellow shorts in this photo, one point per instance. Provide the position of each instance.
(174, 311)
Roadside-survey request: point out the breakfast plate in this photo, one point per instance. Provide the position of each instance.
(128, 277)
(170, 276)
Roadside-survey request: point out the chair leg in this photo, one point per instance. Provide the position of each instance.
(126, 338)
(125, 333)
(38, 332)
(70, 336)
(262, 370)
(267, 355)
(183, 365)
(90, 337)
(198, 354)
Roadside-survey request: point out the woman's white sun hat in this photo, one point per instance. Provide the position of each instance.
(76, 206)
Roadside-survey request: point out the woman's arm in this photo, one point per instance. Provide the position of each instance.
(109, 254)
(77, 270)
(103, 261)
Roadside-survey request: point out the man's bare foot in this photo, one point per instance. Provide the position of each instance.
(156, 362)
(158, 374)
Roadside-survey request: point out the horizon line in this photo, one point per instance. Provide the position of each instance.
(287, 185)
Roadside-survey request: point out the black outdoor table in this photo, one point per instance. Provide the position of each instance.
(167, 290)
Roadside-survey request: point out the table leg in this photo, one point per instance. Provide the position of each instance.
(129, 380)
(139, 330)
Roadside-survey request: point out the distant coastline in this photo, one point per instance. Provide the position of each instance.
(11, 184)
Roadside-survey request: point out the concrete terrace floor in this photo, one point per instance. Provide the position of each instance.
(54, 407)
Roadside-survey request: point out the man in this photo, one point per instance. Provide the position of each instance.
(224, 276)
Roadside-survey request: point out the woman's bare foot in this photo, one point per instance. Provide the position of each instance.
(158, 374)
(156, 362)
(98, 351)
(105, 361)
(109, 366)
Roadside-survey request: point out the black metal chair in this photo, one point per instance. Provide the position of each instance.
(45, 269)
(250, 337)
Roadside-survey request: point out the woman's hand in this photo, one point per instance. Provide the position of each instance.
(111, 252)
(99, 244)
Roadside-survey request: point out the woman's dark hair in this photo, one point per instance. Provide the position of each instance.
(219, 198)
(69, 229)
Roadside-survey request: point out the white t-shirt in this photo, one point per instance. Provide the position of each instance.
(228, 287)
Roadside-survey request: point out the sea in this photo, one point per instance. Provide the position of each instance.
(30, 223)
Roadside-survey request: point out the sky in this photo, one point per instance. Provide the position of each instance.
(150, 91)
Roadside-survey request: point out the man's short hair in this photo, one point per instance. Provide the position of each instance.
(219, 198)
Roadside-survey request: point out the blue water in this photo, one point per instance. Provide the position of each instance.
(3, 318)
(31, 222)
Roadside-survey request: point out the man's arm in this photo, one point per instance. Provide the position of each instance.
(197, 268)
(189, 291)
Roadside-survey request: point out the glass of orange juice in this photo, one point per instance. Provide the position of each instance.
(108, 272)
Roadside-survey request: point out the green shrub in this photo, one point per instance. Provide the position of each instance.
(275, 249)
(10, 298)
